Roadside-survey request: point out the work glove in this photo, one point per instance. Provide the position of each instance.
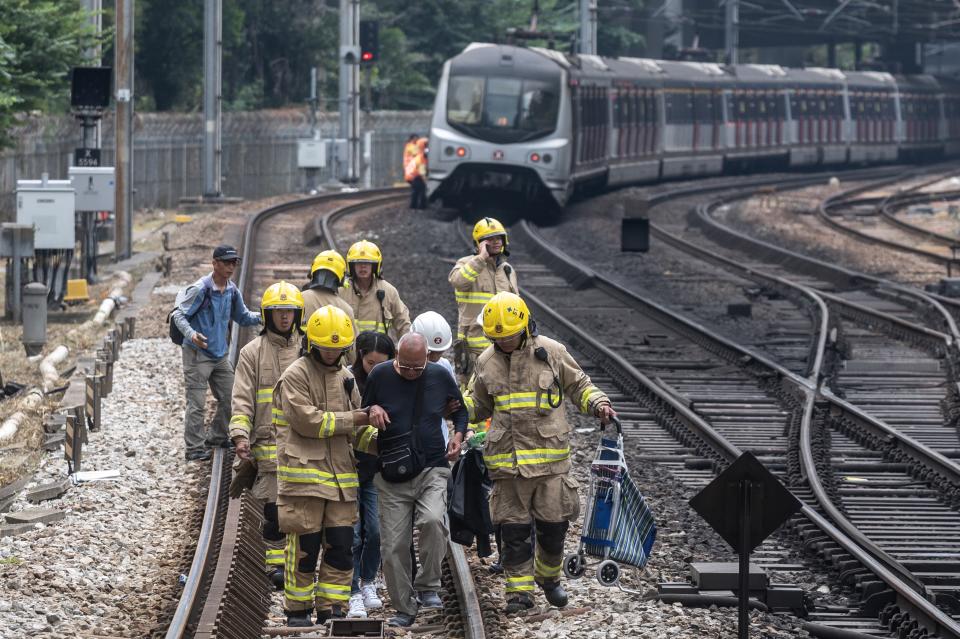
(244, 474)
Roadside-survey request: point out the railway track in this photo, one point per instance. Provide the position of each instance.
(706, 394)
(227, 594)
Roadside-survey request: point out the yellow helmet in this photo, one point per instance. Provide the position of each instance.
(329, 327)
(504, 315)
(365, 252)
(281, 295)
(331, 261)
(488, 227)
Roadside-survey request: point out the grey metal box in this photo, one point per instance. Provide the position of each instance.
(311, 154)
(49, 207)
(94, 186)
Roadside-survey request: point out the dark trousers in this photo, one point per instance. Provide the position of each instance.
(418, 193)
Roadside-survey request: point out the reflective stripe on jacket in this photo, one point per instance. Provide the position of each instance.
(313, 418)
(527, 436)
(259, 366)
(369, 313)
(475, 280)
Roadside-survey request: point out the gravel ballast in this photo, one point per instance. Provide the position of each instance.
(111, 567)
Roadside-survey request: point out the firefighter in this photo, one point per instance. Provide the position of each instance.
(259, 367)
(318, 422)
(375, 303)
(476, 279)
(521, 380)
(326, 278)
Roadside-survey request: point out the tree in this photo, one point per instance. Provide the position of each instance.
(40, 41)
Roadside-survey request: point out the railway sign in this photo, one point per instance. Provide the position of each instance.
(86, 157)
(745, 504)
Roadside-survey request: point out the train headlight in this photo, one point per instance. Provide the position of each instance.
(534, 157)
(461, 151)
(547, 158)
(448, 151)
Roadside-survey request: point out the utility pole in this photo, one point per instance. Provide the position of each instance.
(350, 87)
(123, 138)
(588, 27)
(732, 30)
(212, 63)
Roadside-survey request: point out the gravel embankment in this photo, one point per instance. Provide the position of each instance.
(111, 567)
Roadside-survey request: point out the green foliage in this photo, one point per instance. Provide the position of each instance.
(270, 45)
(40, 41)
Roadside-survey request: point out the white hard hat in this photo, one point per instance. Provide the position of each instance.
(434, 329)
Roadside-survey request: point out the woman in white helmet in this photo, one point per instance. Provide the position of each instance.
(438, 335)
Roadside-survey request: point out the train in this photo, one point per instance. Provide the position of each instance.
(531, 126)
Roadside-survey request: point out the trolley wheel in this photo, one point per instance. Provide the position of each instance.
(574, 566)
(608, 572)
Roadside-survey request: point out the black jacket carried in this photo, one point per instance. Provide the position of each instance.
(469, 509)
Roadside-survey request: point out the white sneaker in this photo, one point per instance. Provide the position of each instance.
(370, 598)
(357, 611)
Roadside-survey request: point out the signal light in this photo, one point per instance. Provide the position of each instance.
(461, 152)
(534, 157)
(369, 41)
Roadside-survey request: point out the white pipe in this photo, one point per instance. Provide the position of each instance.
(12, 424)
(48, 367)
(108, 305)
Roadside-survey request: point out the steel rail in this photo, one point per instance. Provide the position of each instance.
(839, 275)
(891, 571)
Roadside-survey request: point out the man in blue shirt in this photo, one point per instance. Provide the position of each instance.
(203, 313)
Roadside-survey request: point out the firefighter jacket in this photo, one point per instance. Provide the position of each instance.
(318, 297)
(529, 434)
(475, 280)
(313, 408)
(259, 367)
(380, 309)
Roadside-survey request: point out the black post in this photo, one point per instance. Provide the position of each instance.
(743, 620)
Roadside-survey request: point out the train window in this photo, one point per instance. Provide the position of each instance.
(703, 106)
(503, 109)
(464, 99)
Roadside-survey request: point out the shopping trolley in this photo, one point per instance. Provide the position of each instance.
(618, 526)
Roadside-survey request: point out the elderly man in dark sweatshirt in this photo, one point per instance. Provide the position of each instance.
(408, 397)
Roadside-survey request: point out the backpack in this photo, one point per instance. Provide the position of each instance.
(175, 335)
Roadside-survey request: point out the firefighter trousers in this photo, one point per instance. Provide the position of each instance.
(525, 509)
(334, 535)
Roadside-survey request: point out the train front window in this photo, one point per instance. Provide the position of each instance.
(503, 109)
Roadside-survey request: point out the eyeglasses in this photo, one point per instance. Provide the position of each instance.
(412, 369)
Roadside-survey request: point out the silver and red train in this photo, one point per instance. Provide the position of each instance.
(534, 125)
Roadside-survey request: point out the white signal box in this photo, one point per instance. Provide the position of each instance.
(94, 186)
(311, 154)
(48, 206)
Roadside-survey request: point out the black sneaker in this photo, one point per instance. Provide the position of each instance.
(496, 568)
(518, 602)
(402, 620)
(429, 599)
(197, 455)
(299, 618)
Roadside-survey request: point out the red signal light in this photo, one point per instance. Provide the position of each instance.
(366, 56)
(461, 152)
(534, 157)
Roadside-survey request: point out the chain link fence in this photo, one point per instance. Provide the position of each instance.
(259, 152)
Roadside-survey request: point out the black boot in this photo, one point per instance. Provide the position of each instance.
(324, 615)
(276, 578)
(299, 618)
(555, 594)
(518, 602)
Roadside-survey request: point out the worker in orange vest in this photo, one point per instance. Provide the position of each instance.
(415, 172)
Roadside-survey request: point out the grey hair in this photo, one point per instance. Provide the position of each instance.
(412, 339)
